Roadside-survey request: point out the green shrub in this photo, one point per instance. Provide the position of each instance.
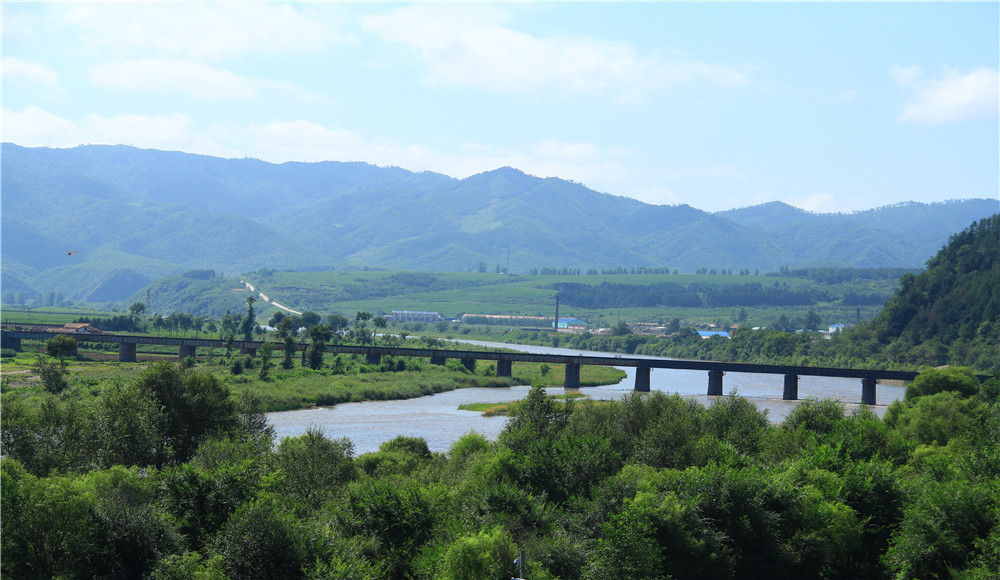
(930, 381)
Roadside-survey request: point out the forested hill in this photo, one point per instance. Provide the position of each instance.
(950, 313)
(133, 215)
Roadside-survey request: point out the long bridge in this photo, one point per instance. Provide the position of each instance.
(11, 338)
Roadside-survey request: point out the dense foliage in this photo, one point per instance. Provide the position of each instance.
(951, 312)
(165, 477)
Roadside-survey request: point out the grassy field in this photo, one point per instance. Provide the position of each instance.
(482, 293)
(295, 388)
(48, 314)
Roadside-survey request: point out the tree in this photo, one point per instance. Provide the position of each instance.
(288, 348)
(310, 318)
(379, 322)
(361, 328)
(194, 405)
(958, 379)
(621, 329)
(488, 554)
(337, 322)
(127, 425)
(249, 321)
(60, 347)
(265, 352)
(136, 311)
(53, 375)
(812, 321)
(275, 319)
(319, 334)
(284, 327)
(312, 465)
(264, 540)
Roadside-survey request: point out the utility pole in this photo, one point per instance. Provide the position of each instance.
(520, 566)
(555, 326)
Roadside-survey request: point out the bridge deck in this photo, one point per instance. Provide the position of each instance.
(439, 353)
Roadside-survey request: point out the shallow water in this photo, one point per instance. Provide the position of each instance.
(437, 419)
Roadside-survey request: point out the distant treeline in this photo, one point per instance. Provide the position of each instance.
(692, 295)
(602, 271)
(120, 323)
(821, 275)
(843, 275)
(394, 285)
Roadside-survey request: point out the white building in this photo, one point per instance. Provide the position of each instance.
(414, 316)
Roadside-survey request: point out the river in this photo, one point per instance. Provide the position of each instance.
(437, 419)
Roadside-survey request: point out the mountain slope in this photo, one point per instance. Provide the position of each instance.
(137, 214)
(949, 313)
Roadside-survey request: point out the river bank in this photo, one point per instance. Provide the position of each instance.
(439, 421)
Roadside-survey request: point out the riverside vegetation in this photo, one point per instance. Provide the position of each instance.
(167, 476)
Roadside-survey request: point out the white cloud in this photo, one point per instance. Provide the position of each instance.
(951, 97)
(201, 31)
(172, 131)
(173, 76)
(19, 70)
(193, 78)
(818, 203)
(34, 127)
(469, 47)
(281, 141)
(612, 170)
(307, 141)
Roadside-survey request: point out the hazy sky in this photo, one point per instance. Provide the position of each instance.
(829, 107)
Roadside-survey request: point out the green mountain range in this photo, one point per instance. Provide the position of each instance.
(133, 215)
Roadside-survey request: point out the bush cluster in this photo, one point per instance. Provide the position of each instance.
(168, 476)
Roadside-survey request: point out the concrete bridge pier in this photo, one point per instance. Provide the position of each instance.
(247, 350)
(12, 343)
(186, 351)
(504, 368)
(440, 360)
(572, 380)
(642, 379)
(715, 383)
(373, 359)
(305, 359)
(868, 390)
(791, 387)
(126, 352)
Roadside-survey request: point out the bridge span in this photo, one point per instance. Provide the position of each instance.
(11, 338)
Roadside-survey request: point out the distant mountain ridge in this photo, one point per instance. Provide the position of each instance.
(135, 214)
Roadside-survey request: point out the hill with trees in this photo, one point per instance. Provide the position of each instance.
(950, 313)
(133, 215)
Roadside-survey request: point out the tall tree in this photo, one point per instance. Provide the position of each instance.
(249, 321)
(379, 322)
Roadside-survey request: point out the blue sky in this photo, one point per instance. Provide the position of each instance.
(829, 107)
